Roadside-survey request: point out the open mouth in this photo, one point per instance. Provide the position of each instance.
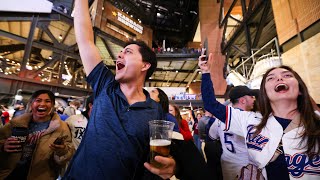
(42, 109)
(120, 65)
(281, 87)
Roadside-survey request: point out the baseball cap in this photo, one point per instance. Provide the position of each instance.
(240, 91)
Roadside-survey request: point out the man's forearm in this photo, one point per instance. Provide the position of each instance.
(82, 22)
(84, 35)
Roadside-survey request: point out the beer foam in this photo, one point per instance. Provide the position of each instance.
(160, 142)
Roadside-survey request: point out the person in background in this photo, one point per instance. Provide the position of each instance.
(235, 154)
(42, 156)
(72, 108)
(202, 125)
(18, 109)
(78, 123)
(196, 137)
(161, 97)
(116, 142)
(183, 124)
(283, 140)
(60, 111)
(2, 110)
(5, 118)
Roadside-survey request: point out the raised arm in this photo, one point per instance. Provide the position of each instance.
(84, 35)
(209, 100)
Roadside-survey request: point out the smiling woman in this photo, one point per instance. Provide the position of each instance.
(39, 128)
(284, 138)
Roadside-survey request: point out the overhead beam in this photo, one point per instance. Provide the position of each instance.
(28, 47)
(108, 49)
(41, 45)
(49, 33)
(246, 28)
(11, 47)
(108, 36)
(228, 13)
(47, 64)
(250, 15)
(263, 20)
(67, 33)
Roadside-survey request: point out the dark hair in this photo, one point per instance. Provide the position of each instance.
(178, 115)
(164, 101)
(89, 101)
(307, 116)
(43, 91)
(147, 55)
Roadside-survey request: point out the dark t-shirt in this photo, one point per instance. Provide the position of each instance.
(278, 169)
(116, 141)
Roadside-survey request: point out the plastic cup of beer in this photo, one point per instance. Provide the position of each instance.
(160, 139)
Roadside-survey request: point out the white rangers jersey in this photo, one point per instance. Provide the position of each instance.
(262, 147)
(235, 154)
(77, 124)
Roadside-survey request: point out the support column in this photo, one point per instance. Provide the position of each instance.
(28, 47)
(209, 11)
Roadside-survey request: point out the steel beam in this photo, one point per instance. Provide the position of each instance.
(47, 64)
(11, 47)
(41, 45)
(247, 18)
(108, 49)
(221, 12)
(263, 20)
(61, 69)
(228, 13)
(28, 46)
(246, 28)
(10, 85)
(51, 36)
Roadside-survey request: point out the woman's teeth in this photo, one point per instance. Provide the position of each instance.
(42, 109)
(281, 87)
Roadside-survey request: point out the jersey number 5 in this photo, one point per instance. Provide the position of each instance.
(229, 143)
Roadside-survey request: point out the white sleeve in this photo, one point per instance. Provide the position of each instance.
(238, 120)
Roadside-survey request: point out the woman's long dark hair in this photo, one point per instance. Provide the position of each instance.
(308, 118)
(178, 115)
(164, 101)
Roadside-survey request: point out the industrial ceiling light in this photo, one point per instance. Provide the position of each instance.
(60, 37)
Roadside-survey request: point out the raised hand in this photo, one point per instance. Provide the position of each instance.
(203, 64)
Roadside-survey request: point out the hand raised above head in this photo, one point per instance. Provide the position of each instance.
(203, 64)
